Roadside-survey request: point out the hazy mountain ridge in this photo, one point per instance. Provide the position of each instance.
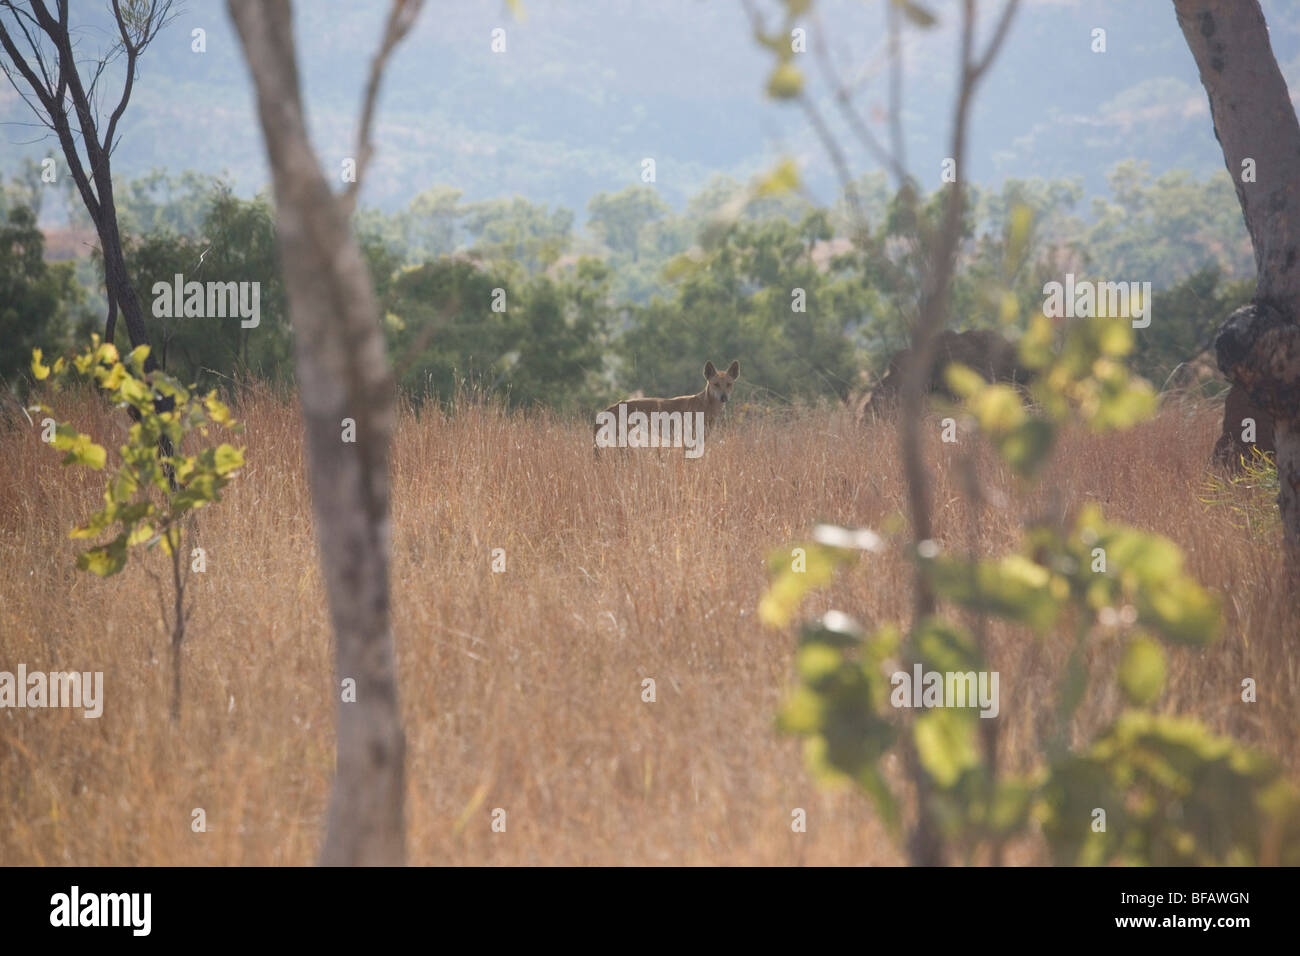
(584, 92)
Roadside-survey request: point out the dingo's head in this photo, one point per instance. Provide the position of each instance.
(721, 383)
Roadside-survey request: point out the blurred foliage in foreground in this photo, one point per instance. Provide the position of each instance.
(1150, 788)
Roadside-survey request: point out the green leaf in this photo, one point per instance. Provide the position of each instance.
(1181, 611)
(136, 393)
(963, 380)
(946, 743)
(783, 178)
(1009, 813)
(1114, 336)
(1026, 447)
(106, 560)
(785, 83)
(801, 713)
(80, 449)
(137, 359)
(882, 797)
(816, 662)
(944, 647)
(227, 458)
(112, 379)
(997, 408)
(1123, 407)
(98, 523)
(218, 411)
(789, 586)
(200, 490)
(122, 486)
(141, 533)
(1020, 223)
(170, 539)
(1073, 685)
(1142, 671)
(1014, 587)
(1035, 345)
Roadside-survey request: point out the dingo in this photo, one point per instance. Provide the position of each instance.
(652, 419)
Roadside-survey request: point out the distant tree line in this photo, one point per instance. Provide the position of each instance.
(507, 297)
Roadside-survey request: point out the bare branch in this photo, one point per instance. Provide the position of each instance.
(154, 21)
(896, 86)
(926, 847)
(832, 147)
(829, 143)
(844, 102)
(36, 50)
(995, 43)
(400, 18)
(127, 84)
(53, 106)
(937, 289)
(43, 93)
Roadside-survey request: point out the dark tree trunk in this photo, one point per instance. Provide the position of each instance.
(57, 85)
(1258, 348)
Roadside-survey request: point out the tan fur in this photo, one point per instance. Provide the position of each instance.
(709, 400)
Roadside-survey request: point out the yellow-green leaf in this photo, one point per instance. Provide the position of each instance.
(1142, 670)
(106, 560)
(946, 744)
(80, 449)
(228, 458)
(783, 178)
(785, 83)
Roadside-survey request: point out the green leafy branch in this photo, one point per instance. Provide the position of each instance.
(140, 500)
(154, 486)
(1149, 788)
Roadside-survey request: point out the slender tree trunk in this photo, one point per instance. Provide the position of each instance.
(56, 87)
(342, 372)
(179, 615)
(1258, 347)
(121, 294)
(925, 842)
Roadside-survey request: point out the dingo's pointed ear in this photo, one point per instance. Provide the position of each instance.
(709, 370)
(734, 371)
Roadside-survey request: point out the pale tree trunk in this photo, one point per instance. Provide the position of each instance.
(1259, 346)
(342, 372)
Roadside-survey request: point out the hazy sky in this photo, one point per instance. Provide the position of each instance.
(586, 90)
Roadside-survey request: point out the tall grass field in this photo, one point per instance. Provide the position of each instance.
(523, 689)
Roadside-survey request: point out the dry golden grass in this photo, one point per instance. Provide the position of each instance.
(522, 690)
